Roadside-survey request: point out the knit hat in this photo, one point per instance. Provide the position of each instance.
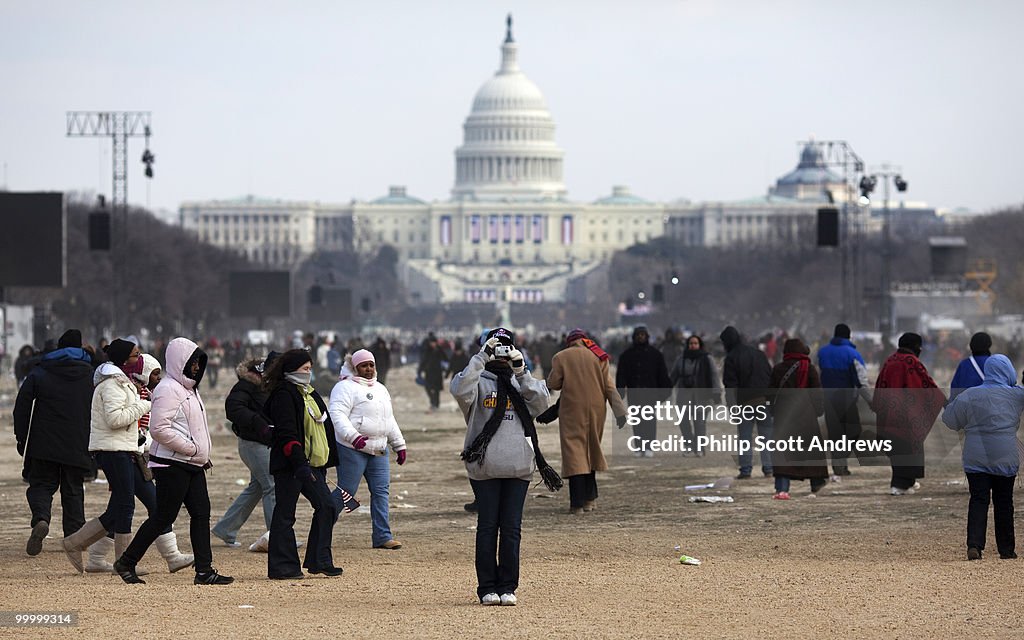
(981, 344)
(574, 335)
(504, 336)
(842, 331)
(293, 359)
(119, 351)
(73, 338)
(361, 356)
(149, 365)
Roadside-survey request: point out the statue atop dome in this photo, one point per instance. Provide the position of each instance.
(508, 29)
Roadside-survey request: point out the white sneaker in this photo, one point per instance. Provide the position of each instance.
(508, 599)
(917, 485)
(262, 545)
(647, 454)
(490, 600)
(896, 491)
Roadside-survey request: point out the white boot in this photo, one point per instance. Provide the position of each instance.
(167, 545)
(98, 552)
(262, 545)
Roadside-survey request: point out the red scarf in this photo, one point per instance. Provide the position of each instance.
(597, 351)
(803, 364)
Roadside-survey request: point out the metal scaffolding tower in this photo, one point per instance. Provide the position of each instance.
(118, 126)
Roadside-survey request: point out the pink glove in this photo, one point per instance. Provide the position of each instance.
(401, 457)
(359, 443)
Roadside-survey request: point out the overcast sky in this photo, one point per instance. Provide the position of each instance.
(331, 101)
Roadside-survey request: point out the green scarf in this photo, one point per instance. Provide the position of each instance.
(317, 449)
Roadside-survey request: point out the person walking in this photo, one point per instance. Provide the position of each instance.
(845, 378)
(971, 370)
(796, 404)
(179, 456)
(244, 408)
(364, 427)
(580, 372)
(745, 376)
(51, 427)
(113, 439)
(989, 415)
(431, 371)
(695, 379)
(642, 380)
(381, 359)
(303, 447)
(499, 398)
(906, 401)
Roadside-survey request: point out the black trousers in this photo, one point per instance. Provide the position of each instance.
(44, 478)
(582, 488)
(907, 464)
(435, 397)
(842, 419)
(177, 485)
(499, 524)
(282, 556)
(1000, 489)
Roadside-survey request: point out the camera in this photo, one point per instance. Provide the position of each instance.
(502, 351)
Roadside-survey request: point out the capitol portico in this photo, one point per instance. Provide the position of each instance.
(509, 230)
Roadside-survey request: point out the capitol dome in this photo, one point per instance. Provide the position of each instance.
(508, 149)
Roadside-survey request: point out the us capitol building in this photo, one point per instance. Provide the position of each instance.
(509, 231)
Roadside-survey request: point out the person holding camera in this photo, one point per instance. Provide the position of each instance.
(303, 447)
(365, 425)
(499, 399)
(580, 372)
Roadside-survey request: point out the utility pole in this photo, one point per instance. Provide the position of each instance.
(118, 126)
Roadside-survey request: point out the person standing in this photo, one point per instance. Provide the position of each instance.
(431, 370)
(244, 408)
(381, 359)
(696, 381)
(642, 380)
(303, 447)
(179, 457)
(796, 405)
(989, 415)
(844, 377)
(906, 401)
(51, 426)
(580, 372)
(364, 426)
(971, 370)
(745, 376)
(459, 359)
(672, 347)
(499, 398)
(113, 439)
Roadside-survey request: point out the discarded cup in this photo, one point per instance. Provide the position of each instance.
(685, 559)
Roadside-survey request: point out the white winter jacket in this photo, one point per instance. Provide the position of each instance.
(116, 409)
(361, 409)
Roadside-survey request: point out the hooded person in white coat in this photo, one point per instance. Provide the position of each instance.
(364, 426)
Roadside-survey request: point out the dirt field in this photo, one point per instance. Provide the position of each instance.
(852, 562)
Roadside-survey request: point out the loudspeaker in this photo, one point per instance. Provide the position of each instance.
(828, 227)
(99, 231)
(316, 295)
(659, 293)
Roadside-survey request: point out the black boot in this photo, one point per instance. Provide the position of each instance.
(212, 577)
(127, 572)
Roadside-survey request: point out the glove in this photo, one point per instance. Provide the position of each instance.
(517, 361)
(401, 457)
(489, 346)
(359, 443)
(304, 473)
(620, 421)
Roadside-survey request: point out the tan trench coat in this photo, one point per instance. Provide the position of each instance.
(586, 385)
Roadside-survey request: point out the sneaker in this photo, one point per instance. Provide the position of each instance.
(974, 553)
(212, 577)
(647, 454)
(508, 599)
(391, 545)
(917, 485)
(743, 476)
(228, 542)
(835, 478)
(262, 544)
(782, 495)
(490, 600)
(896, 491)
(127, 572)
(35, 539)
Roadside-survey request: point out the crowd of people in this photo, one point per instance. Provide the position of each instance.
(145, 426)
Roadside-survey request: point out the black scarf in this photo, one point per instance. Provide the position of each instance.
(506, 391)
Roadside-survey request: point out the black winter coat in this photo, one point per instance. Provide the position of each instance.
(62, 391)
(287, 412)
(642, 371)
(748, 371)
(244, 408)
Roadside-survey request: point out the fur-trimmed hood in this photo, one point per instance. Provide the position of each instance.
(244, 371)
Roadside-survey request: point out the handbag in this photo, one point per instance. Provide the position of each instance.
(141, 460)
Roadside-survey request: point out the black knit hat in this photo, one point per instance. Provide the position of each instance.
(981, 344)
(263, 366)
(503, 335)
(842, 331)
(119, 351)
(71, 338)
(293, 359)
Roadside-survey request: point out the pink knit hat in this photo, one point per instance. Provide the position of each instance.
(361, 356)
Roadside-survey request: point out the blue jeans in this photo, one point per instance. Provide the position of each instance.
(261, 487)
(353, 465)
(782, 484)
(119, 469)
(746, 433)
(500, 511)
